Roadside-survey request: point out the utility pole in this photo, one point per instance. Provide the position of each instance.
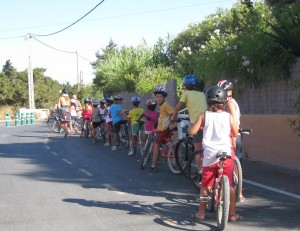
(30, 75)
(78, 79)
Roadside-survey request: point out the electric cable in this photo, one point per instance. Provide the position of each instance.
(40, 35)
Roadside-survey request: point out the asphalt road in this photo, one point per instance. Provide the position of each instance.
(48, 182)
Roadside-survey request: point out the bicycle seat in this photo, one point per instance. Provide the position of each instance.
(223, 155)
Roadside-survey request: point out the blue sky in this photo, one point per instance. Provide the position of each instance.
(127, 22)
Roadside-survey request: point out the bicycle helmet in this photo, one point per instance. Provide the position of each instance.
(95, 103)
(102, 101)
(151, 102)
(86, 100)
(64, 91)
(117, 97)
(226, 85)
(216, 94)
(160, 90)
(190, 80)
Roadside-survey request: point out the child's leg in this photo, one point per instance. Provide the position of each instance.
(155, 154)
(133, 141)
(233, 216)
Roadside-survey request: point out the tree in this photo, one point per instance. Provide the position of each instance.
(9, 70)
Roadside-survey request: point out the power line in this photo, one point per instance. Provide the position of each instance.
(69, 52)
(72, 23)
(12, 37)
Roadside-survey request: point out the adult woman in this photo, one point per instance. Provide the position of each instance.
(64, 110)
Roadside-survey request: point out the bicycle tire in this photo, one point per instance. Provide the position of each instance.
(50, 123)
(172, 161)
(223, 203)
(146, 154)
(103, 133)
(86, 129)
(183, 150)
(237, 178)
(56, 126)
(124, 137)
(192, 171)
(211, 201)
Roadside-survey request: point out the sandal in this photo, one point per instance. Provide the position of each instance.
(234, 217)
(194, 216)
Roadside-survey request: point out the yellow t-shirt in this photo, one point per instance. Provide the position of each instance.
(195, 102)
(134, 114)
(164, 116)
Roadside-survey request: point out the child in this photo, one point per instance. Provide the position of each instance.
(108, 121)
(73, 114)
(96, 119)
(116, 116)
(152, 114)
(164, 119)
(133, 115)
(86, 113)
(219, 126)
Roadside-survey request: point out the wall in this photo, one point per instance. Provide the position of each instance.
(272, 140)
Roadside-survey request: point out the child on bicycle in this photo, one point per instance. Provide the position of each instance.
(96, 119)
(133, 115)
(233, 108)
(164, 120)
(116, 115)
(218, 126)
(86, 113)
(108, 121)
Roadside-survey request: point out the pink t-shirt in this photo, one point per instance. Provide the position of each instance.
(149, 124)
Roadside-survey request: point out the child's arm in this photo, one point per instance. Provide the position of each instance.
(197, 125)
(123, 115)
(176, 110)
(231, 110)
(234, 126)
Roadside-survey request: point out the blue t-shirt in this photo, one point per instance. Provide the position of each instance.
(115, 116)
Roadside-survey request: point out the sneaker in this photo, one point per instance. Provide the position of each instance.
(131, 152)
(241, 199)
(106, 144)
(113, 148)
(152, 169)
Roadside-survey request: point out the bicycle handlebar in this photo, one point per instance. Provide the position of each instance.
(245, 130)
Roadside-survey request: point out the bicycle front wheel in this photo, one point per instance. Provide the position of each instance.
(193, 169)
(223, 203)
(146, 153)
(172, 161)
(237, 178)
(183, 150)
(124, 137)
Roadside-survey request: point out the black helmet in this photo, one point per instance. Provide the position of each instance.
(118, 97)
(64, 91)
(216, 94)
(160, 90)
(226, 85)
(86, 100)
(109, 100)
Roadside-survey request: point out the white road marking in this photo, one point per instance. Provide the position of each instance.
(66, 161)
(47, 147)
(85, 172)
(54, 153)
(296, 196)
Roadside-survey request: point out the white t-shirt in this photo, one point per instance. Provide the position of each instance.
(216, 136)
(107, 117)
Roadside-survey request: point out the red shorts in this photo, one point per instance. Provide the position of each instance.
(211, 172)
(161, 135)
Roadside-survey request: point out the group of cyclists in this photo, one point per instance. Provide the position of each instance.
(214, 123)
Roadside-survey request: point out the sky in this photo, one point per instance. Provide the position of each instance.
(126, 22)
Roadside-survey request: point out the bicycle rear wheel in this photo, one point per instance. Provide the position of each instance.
(146, 153)
(56, 126)
(183, 150)
(124, 137)
(192, 169)
(223, 203)
(172, 161)
(50, 123)
(237, 178)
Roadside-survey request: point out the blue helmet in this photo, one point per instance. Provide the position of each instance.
(135, 99)
(190, 80)
(95, 103)
(86, 100)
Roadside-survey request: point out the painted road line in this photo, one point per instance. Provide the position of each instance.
(54, 153)
(296, 196)
(66, 161)
(85, 172)
(47, 147)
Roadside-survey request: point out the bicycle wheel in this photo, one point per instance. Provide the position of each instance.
(103, 133)
(211, 201)
(86, 129)
(124, 137)
(50, 123)
(192, 171)
(171, 160)
(147, 153)
(183, 150)
(223, 203)
(98, 133)
(56, 126)
(237, 178)
(139, 143)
